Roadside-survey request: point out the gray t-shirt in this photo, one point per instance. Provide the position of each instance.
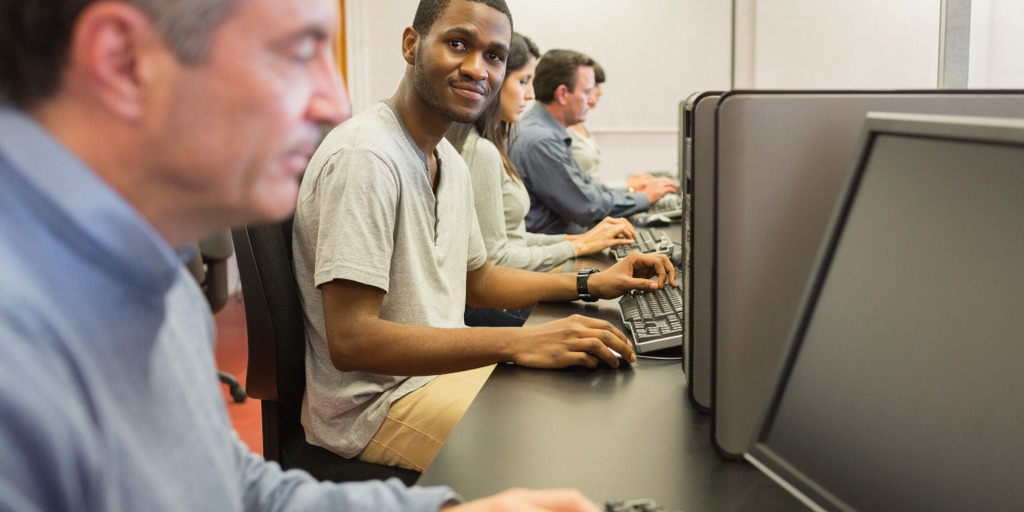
(367, 213)
(501, 206)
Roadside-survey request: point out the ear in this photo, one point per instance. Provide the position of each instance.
(105, 55)
(560, 93)
(410, 45)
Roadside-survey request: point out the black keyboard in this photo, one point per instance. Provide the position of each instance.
(670, 205)
(652, 241)
(655, 317)
(642, 505)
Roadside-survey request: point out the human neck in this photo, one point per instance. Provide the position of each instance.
(425, 126)
(116, 155)
(557, 112)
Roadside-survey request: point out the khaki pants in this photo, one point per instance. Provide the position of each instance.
(418, 423)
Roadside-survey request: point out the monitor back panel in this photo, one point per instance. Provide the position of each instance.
(781, 161)
(697, 335)
(686, 183)
(685, 141)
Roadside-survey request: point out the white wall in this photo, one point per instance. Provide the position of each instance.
(997, 44)
(655, 53)
(374, 41)
(841, 44)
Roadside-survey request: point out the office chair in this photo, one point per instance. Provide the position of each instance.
(209, 266)
(277, 343)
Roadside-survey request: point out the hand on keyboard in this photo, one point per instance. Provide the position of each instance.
(634, 272)
(670, 205)
(609, 232)
(658, 188)
(655, 318)
(640, 182)
(648, 240)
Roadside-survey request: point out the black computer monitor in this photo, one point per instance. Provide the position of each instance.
(781, 161)
(901, 386)
(683, 143)
(699, 125)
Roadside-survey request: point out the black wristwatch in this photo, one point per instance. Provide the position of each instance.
(581, 284)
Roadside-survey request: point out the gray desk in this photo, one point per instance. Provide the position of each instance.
(625, 433)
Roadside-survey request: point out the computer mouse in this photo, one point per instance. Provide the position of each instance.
(677, 258)
(652, 220)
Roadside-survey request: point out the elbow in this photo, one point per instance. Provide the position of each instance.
(345, 351)
(476, 286)
(342, 358)
(586, 215)
(474, 300)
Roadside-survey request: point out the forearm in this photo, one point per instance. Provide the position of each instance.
(627, 204)
(532, 239)
(509, 248)
(266, 487)
(491, 286)
(389, 348)
(509, 288)
(531, 257)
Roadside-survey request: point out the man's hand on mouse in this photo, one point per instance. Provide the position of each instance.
(576, 340)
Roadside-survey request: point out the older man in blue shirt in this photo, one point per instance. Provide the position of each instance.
(564, 198)
(129, 130)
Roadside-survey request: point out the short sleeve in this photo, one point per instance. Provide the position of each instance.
(358, 197)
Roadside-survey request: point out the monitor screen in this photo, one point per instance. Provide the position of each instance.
(901, 388)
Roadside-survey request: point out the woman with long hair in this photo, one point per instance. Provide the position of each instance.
(501, 199)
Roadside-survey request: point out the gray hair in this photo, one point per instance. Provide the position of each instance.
(187, 26)
(35, 37)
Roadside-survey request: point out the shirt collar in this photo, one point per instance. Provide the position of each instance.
(547, 119)
(408, 136)
(102, 223)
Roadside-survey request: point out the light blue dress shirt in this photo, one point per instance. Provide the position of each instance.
(109, 399)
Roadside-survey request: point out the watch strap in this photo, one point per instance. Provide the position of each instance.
(581, 284)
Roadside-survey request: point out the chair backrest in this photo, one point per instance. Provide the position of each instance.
(276, 372)
(209, 265)
(273, 314)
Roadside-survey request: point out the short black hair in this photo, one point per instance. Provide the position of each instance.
(558, 67)
(429, 11)
(35, 37)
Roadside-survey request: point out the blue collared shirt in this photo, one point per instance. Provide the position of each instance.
(109, 399)
(563, 198)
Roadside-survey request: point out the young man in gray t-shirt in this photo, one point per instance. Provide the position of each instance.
(388, 252)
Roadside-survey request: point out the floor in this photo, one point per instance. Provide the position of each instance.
(231, 355)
